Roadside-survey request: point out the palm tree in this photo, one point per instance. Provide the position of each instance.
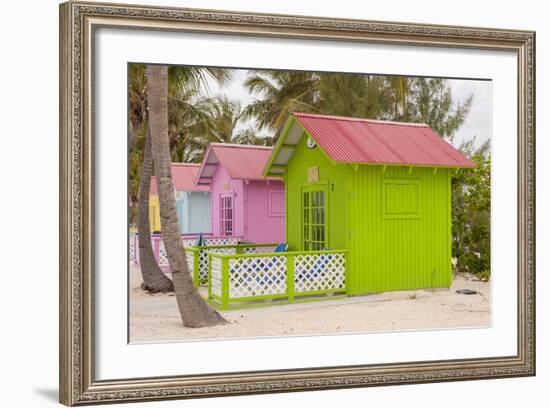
(355, 95)
(248, 136)
(400, 89)
(194, 311)
(280, 92)
(137, 101)
(225, 116)
(183, 82)
(189, 120)
(154, 280)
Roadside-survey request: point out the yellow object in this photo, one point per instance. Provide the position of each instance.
(154, 212)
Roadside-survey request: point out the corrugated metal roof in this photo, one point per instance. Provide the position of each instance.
(357, 140)
(244, 162)
(183, 177)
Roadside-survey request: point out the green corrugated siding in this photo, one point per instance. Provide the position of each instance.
(387, 250)
(399, 253)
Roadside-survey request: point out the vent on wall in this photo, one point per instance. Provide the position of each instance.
(400, 198)
(276, 203)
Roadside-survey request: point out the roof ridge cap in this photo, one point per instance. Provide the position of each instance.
(353, 119)
(185, 164)
(215, 144)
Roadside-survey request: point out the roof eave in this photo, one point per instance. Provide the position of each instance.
(203, 164)
(275, 152)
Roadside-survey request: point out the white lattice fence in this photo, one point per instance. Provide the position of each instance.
(160, 252)
(188, 242)
(222, 241)
(162, 255)
(216, 279)
(203, 260)
(257, 276)
(319, 272)
(132, 247)
(190, 257)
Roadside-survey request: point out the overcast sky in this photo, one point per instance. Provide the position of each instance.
(478, 121)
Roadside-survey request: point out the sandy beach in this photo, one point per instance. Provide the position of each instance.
(155, 317)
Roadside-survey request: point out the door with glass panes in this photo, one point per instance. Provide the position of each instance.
(226, 215)
(314, 218)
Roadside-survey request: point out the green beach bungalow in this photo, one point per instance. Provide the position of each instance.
(379, 190)
(368, 209)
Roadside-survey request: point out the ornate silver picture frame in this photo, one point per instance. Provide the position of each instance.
(78, 25)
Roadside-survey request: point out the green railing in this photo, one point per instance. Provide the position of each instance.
(290, 276)
(197, 256)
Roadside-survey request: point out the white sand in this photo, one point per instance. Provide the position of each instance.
(156, 318)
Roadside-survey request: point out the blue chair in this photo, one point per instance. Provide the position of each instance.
(281, 248)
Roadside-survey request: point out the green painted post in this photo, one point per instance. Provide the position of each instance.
(196, 272)
(346, 273)
(290, 277)
(209, 276)
(225, 282)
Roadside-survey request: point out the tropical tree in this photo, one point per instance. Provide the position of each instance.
(186, 112)
(194, 311)
(154, 280)
(399, 87)
(189, 120)
(431, 102)
(225, 116)
(352, 95)
(248, 136)
(279, 93)
(471, 212)
(137, 102)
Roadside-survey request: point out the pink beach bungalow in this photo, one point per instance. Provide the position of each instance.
(244, 203)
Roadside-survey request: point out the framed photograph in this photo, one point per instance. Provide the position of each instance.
(256, 203)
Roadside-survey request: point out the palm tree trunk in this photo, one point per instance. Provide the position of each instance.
(154, 280)
(194, 311)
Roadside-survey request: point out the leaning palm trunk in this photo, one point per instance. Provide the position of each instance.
(153, 278)
(194, 311)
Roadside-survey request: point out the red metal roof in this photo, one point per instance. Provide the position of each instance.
(244, 162)
(359, 140)
(183, 177)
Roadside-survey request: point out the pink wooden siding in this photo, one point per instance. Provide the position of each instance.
(258, 207)
(264, 211)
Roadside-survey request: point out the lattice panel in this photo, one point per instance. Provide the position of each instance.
(222, 241)
(259, 276)
(203, 260)
(188, 242)
(216, 282)
(319, 272)
(190, 257)
(162, 257)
